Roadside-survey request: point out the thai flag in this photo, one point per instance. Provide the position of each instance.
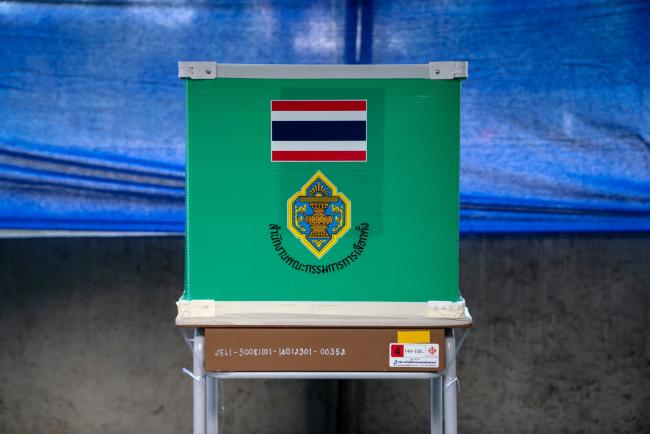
(331, 130)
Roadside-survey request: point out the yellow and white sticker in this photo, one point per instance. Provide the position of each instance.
(413, 355)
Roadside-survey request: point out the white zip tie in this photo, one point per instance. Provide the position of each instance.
(196, 378)
(452, 381)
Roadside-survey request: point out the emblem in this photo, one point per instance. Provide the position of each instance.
(318, 215)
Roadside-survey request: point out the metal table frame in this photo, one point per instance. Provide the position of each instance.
(442, 386)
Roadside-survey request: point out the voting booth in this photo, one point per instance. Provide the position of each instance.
(322, 225)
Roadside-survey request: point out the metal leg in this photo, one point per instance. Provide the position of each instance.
(435, 402)
(199, 382)
(449, 382)
(213, 410)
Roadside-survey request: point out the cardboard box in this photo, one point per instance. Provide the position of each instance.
(324, 349)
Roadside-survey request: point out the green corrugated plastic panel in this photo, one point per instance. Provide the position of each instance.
(403, 241)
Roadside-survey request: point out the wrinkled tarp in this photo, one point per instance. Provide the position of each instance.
(555, 114)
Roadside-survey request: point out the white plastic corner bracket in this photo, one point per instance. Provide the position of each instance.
(197, 70)
(447, 70)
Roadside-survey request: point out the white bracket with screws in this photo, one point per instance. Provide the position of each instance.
(447, 70)
(197, 70)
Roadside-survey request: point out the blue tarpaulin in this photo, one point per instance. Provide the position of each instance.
(555, 114)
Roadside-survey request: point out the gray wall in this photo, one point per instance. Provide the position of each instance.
(560, 344)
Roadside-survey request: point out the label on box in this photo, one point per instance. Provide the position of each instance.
(413, 355)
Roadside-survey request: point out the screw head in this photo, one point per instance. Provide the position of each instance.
(208, 71)
(437, 72)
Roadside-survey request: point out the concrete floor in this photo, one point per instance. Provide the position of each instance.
(560, 344)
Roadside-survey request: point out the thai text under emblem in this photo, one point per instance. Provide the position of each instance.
(318, 215)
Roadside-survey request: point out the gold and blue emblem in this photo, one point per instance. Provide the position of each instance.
(318, 215)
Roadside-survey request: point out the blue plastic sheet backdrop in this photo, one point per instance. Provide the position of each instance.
(555, 114)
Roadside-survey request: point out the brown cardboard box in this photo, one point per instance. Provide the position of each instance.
(324, 349)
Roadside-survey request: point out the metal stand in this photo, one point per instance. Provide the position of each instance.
(442, 403)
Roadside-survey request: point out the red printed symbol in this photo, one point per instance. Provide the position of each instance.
(432, 350)
(397, 350)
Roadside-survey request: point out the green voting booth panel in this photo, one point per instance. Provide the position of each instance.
(331, 183)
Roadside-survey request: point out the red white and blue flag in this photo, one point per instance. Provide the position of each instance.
(328, 130)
